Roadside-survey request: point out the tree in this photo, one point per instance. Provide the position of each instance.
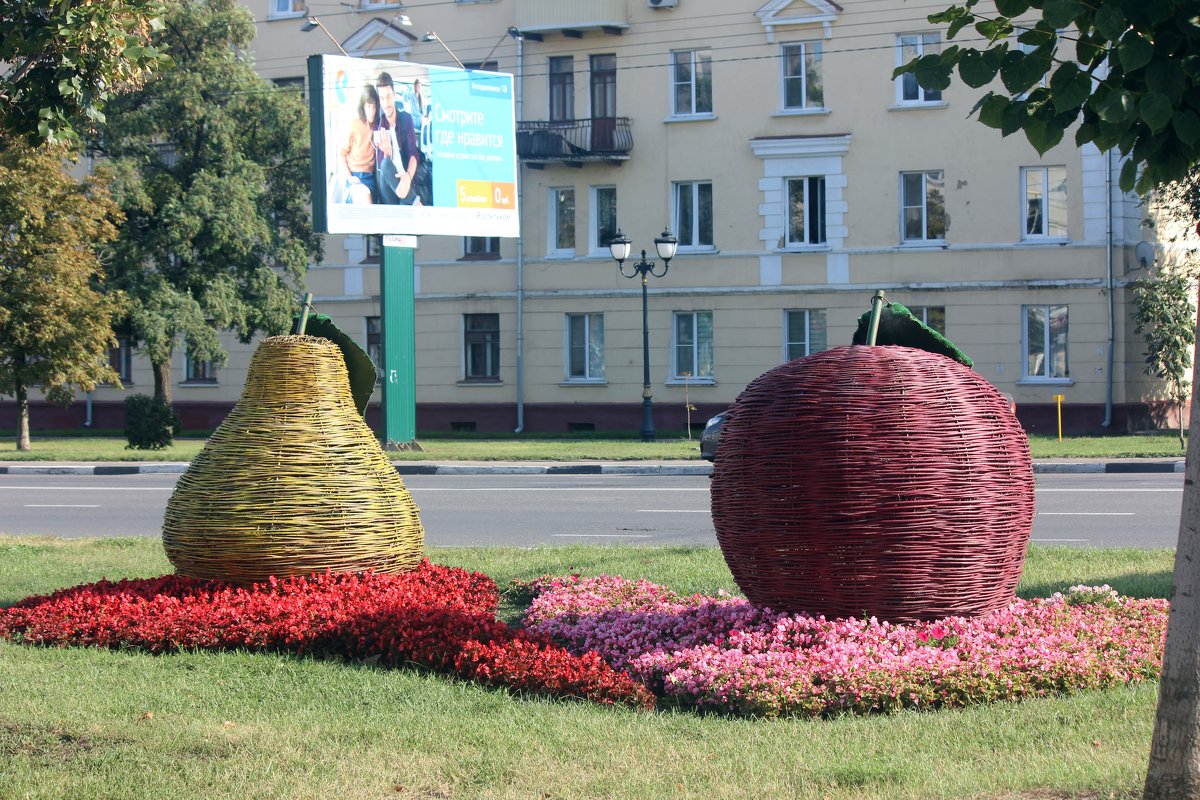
(55, 323)
(1163, 312)
(212, 167)
(61, 60)
(1131, 82)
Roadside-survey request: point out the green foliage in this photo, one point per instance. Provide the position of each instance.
(211, 166)
(55, 325)
(1127, 73)
(1164, 311)
(897, 325)
(61, 60)
(150, 423)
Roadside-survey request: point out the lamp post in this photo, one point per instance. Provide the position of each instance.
(620, 247)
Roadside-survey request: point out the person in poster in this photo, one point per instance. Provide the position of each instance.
(422, 113)
(357, 155)
(397, 147)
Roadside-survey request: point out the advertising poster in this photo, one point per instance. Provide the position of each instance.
(403, 148)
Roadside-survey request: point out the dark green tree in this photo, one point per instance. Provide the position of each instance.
(61, 60)
(212, 166)
(55, 323)
(1126, 75)
(1165, 313)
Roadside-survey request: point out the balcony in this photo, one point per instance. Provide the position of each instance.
(574, 141)
(539, 18)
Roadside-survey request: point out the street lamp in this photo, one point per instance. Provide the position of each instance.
(620, 247)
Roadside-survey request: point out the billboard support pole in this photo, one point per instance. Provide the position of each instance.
(397, 287)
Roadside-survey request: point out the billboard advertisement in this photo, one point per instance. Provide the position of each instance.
(403, 148)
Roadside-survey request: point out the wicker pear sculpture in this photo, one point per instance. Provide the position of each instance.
(293, 481)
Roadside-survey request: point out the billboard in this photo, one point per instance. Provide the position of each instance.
(402, 148)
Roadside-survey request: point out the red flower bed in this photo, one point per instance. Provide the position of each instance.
(442, 618)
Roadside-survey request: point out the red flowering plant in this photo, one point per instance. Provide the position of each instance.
(440, 618)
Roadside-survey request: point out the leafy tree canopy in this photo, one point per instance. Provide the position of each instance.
(61, 60)
(212, 166)
(1125, 70)
(55, 323)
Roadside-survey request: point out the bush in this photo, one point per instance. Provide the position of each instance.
(150, 423)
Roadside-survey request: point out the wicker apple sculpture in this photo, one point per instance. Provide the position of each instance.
(885, 481)
(293, 481)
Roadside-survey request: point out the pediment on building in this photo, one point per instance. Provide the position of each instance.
(379, 37)
(787, 13)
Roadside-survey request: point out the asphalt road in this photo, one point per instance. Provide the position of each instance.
(527, 510)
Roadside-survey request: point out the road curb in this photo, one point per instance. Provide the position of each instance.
(410, 468)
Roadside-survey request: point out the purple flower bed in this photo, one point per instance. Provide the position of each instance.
(722, 654)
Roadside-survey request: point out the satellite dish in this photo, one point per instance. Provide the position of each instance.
(1144, 252)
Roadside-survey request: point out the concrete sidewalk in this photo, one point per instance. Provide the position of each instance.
(1080, 465)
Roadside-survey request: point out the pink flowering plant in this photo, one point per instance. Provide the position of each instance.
(723, 654)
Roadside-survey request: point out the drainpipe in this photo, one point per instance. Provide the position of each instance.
(520, 255)
(1108, 206)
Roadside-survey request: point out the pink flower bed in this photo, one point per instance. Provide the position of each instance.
(722, 654)
(437, 617)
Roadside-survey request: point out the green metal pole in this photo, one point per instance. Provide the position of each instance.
(398, 331)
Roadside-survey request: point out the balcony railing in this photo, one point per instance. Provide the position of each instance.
(574, 140)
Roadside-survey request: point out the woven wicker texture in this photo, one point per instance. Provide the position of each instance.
(293, 481)
(884, 481)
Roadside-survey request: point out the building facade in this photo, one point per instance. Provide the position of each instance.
(798, 177)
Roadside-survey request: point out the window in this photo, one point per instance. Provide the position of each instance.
(604, 216)
(375, 344)
(120, 358)
(692, 347)
(1045, 192)
(691, 80)
(562, 88)
(804, 333)
(932, 316)
(481, 347)
(197, 371)
(923, 206)
(585, 347)
(802, 88)
(481, 248)
(562, 221)
(373, 247)
(908, 47)
(694, 213)
(373, 4)
(806, 211)
(287, 8)
(1045, 343)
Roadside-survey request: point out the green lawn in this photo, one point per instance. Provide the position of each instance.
(99, 724)
(672, 446)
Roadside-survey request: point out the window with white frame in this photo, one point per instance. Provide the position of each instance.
(802, 84)
(1045, 193)
(584, 351)
(481, 248)
(561, 220)
(908, 47)
(375, 344)
(1045, 336)
(604, 217)
(693, 201)
(933, 317)
(691, 82)
(481, 347)
(375, 4)
(287, 8)
(120, 358)
(562, 88)
(806, 211)
(923, 206)
(692, 346)
(803, 332)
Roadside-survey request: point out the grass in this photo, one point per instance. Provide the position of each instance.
(527, 447)
(104, 724)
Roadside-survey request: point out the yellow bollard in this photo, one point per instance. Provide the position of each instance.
(1058, 398)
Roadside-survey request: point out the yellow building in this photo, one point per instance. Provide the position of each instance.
(798, 177)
